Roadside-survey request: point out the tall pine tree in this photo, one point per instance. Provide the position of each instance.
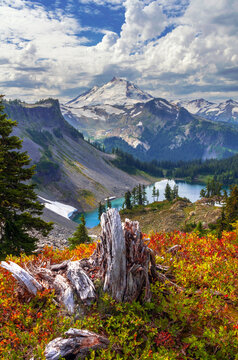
(101, 210)
(168, 192)
(19, 208)
(80, 236)
(128, 200)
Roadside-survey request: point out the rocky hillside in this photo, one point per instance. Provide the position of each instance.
(122, 115)
(166, 217)
(68, 169)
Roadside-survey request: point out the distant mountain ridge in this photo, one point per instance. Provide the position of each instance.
(226, 111)
(120, 114)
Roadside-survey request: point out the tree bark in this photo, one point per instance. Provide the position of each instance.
(113, 254)
(124, 258)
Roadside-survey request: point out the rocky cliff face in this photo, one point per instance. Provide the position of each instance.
(68, 169)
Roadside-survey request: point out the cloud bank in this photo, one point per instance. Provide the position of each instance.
(171, 48)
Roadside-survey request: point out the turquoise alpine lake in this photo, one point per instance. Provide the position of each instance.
(185, 189)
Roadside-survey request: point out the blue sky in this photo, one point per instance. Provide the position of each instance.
(175, 49)
(93, 17)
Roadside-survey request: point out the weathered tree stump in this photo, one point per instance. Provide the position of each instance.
(122, 261)
(123, 257)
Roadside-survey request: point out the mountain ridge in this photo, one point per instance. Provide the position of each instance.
(226, 111)
(150, 129)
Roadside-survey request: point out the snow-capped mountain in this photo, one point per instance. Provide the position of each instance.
(224, 112)
(116, 92)
(114, 109)
(122, 115)
(195, 106)
(103, 104)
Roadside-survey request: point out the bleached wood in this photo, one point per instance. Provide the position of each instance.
(113, 254)
(138, 262)
(60, 266)
(76, 343)
(65, 292)
(124, 258)
(81, 282)
(23, 277)
(174, 249)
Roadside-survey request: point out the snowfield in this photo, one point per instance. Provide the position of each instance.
(59, 208)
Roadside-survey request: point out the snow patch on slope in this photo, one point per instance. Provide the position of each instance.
(59, 208)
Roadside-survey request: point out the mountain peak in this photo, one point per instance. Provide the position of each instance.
(230, 101)
(114, 79)
(118, 91)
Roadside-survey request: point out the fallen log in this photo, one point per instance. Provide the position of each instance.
(82, 284)
(76, 344)
(68, 279)
(24, 278)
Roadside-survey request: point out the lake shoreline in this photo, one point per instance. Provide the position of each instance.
(186, 189)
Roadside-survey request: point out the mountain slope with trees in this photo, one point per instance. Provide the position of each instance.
(68, 168)
(224, 170)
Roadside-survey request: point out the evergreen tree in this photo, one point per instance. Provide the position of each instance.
(144, 196)
(203, 193)
(133, 196)
(231, 208)
(221, 224)
(213, 188)
(80, 236)
(168, 192)
(19, 208)
(139, 195)
(101, 209)
(225, 195)
(128, 200)
(154, 193)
